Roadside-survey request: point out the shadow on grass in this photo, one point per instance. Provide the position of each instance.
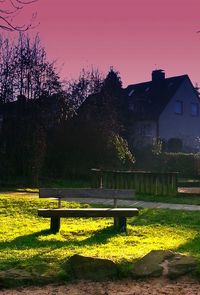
(33, 241)
(192, 247)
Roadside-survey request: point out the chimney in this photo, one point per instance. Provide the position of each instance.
(158, 76)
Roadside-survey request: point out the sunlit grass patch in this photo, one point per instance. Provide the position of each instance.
(26, 243)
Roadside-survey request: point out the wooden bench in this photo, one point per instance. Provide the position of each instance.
(119, 214)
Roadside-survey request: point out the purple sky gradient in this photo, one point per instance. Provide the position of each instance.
(134, 36)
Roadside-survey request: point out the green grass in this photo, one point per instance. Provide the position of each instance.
(26, 246)
(44, 183)
(181, 198)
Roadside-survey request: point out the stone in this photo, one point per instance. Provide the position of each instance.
(161, 262)
(181, 265)
(92, 268)
(150, 264)
(14, 277)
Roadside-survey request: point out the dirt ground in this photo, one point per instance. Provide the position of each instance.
(162, 286)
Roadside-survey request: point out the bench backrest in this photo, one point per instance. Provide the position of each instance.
(121, 194)
(62, 193)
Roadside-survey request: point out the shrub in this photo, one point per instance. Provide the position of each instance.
(174, 145)
(188, 165)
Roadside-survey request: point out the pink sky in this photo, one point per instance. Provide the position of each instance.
(134, 36)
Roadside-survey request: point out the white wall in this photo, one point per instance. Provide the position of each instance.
(143, 133)
(185, 126)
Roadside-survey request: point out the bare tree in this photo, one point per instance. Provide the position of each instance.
(9, 10)
(35, 75)
(88, 82)
(25, 70)
(7, 71)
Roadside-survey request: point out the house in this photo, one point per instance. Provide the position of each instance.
(164, 108)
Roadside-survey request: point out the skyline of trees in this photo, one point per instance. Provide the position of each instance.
(26, 70)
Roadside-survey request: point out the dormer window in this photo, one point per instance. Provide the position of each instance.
(178, 107)
(131, 92)
(194, 109)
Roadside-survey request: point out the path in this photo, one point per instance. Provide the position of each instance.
(152, 205)
(134, 203)
(138, 204)
(189, 190)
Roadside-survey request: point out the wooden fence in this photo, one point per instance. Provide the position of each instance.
(142, 182)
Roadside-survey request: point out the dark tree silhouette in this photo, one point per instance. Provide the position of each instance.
(95, 137)
(9, 10)
(112, 84)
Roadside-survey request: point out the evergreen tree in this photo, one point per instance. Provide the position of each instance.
(94, 138)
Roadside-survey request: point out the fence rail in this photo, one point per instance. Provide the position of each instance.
(141, 181)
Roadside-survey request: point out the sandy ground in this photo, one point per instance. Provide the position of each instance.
(189, 190)
(125, 287)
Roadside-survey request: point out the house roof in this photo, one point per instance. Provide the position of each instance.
(147, 100)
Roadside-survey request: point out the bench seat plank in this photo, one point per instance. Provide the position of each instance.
(88, 212)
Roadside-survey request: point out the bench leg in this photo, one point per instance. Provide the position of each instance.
(120, 223)
(55, 224)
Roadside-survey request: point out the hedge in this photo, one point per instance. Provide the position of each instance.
(188, 165)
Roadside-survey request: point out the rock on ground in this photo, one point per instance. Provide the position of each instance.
(91, 268)
(162, 262)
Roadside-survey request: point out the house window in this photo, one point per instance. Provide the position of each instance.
(178, 107)
(131, 92)
(145, 130)
(194, 109)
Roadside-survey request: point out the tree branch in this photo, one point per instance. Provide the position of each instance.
(6, 14)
